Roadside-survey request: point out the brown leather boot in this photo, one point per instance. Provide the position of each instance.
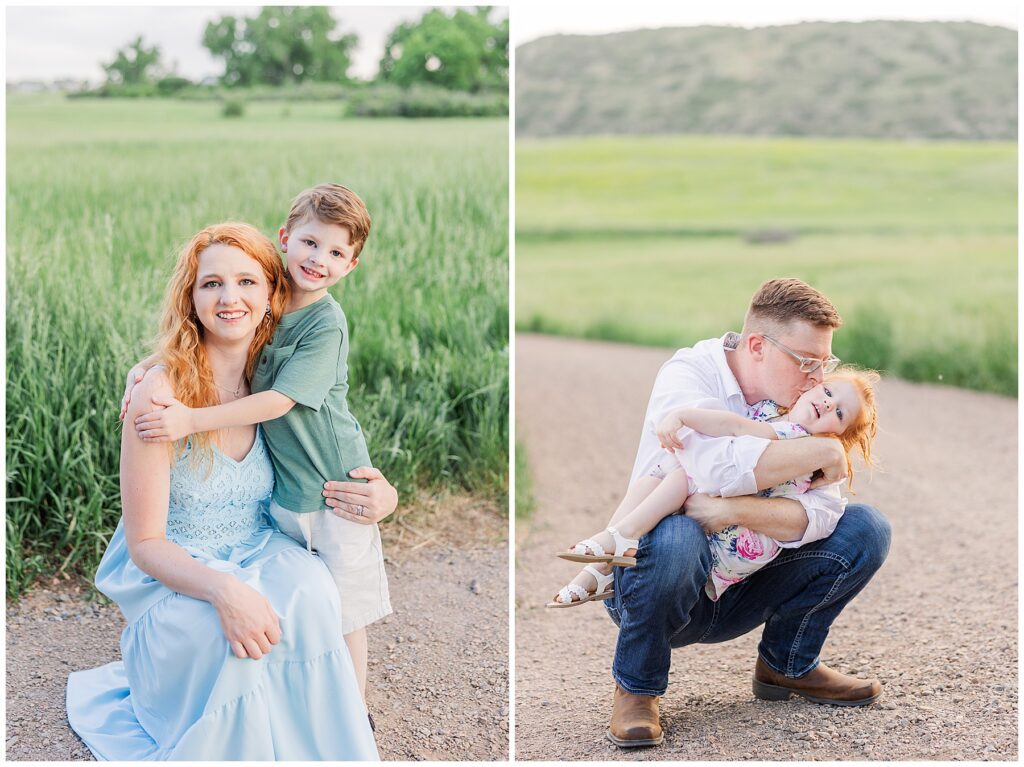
(822, 685)
(634, 720)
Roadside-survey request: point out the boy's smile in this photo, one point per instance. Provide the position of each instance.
(318, 256)
(312, 274)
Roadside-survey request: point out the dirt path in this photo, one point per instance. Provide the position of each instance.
(938, 624)
(438, 666)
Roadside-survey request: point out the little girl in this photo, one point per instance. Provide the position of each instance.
(843, 406)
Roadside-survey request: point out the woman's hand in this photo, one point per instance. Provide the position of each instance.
(249, 622)
(668, 431)
(170, 424)
(364, 502)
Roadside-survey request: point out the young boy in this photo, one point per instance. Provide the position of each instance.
(299, 395)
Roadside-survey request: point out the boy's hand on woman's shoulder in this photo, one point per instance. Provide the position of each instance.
(173, 421)
(365, 503)
(135, 375)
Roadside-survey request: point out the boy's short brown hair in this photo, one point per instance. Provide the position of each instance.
(333, 204)
(781, 301)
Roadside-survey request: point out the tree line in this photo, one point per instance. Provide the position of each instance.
(282, 46)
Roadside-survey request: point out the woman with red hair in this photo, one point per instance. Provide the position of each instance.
(232, 649)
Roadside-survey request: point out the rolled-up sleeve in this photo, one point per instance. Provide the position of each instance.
(678, 385)
(728, 463)
(722, 465)
(823, 506)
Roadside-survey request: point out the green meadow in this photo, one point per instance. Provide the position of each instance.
(525, 502)
(102, 194)
(662, 240)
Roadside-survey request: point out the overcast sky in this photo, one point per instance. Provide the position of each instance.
(533, 20)
(50, 42)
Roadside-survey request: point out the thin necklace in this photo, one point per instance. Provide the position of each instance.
(235, 392)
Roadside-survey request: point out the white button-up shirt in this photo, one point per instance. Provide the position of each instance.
(700, 377)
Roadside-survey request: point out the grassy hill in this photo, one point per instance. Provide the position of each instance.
(892, 79)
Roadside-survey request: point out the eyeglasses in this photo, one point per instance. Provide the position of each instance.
(809, 364)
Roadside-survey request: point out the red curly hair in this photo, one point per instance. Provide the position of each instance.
(860, 434)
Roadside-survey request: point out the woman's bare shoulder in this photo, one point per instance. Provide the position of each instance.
(156, 383)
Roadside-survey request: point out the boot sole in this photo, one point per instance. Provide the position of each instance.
(766, 691)
(634, 743)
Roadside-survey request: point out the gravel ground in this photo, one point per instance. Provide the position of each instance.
(939, 631)
(438, 677)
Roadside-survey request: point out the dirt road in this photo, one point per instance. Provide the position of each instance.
(438, 676)
(938, 623)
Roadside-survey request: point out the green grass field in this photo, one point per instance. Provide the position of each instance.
(648, 240)
(525, 502)
(102, 194)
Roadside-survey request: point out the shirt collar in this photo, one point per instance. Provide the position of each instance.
(292, 318)
(728, 343)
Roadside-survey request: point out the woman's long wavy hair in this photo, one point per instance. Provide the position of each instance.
(180, 341)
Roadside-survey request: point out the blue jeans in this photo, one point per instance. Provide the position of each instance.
(660, 603)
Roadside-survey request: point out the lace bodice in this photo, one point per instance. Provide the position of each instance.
(217, 501)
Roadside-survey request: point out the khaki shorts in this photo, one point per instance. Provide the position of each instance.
(352, 553)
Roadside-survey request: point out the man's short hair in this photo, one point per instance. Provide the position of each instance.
(779, 302)
(332, 204)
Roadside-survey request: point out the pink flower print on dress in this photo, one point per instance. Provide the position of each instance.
(765, 410)
(751, 545)
(717, 583)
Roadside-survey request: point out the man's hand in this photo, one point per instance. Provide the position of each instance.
(172, 423)
(363, 502)
(710, 511)
(837, 470)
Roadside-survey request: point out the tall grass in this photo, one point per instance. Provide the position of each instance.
(525, 502)
(101, 196)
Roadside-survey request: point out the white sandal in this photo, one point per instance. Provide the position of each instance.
(604, 590)
(592, 551)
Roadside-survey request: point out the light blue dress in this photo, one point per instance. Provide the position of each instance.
(179, 692)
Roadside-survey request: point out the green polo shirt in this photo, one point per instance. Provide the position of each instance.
(318, 439)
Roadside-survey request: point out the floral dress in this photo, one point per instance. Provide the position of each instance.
(738, 552)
